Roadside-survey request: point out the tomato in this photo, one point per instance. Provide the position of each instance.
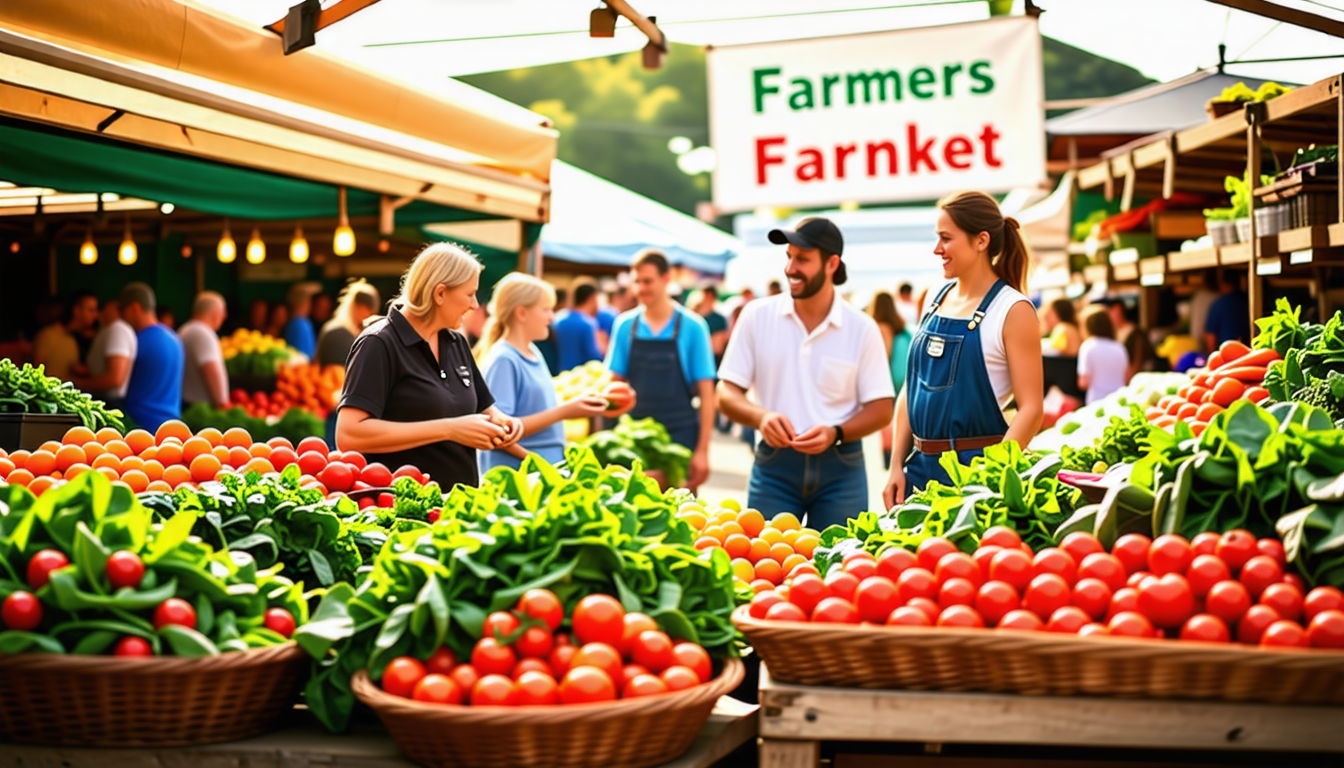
(931, 550)
(1124, 599)
(493, 691)
(960, 616)
(958, 565)
(835, 610)
(1080, 544)
(1012, 566)
(21, 611)
(1204, 572)
(875, 598)
(1295, 580)
(1205, 543)
(916, 582)
(377, 475)
(1326, 629)
(1130, 624)
(843, 583)
(857, 555)
(994, 600)
(1093, 628)
(1021, 619)
(1285, 633)
(1285, 599)
(927, 605)
(1104, 567)
(635, 622)
(1322, 599)
(1132, 551)
(599, 619)
(1206, 628)
(1169, 553)
(499, 625)
(401, 674)
(465, 676)
(601, 656)
(533, 689)
(1254, 623)
(1093, 597)
(1236, 547)
(1057, 561)
(643, 685)
(956, 591)
(679, 678)
(1046, 594)
(1258, 573)
(909, 617)
(861, 567)
(437, 688)
(338, 476)
(561, 658)
(540, 604)
(175, 610)
(1001, 536)
(785, 612)
(1228, 600)
(535, 642)
(761, 602)
(125, 569)
(983, 556)
(132, 646)
(1167, 600)
(893, 560)
(693, 657)
(280, 621)
(1137, 578)
(653, 650)
(530, 665)
(491, 657)
(806, 591)
(42, 564)
(1068, 620)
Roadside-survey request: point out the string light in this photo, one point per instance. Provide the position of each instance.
(127, 254)
(88, 252)
(228, 250)
(256, 249)
(298, 247)
(343, 244)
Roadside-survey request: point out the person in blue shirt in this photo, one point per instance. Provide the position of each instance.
(154, 392)
(663, 350)
(516, 373)
(299, 332)
(576, 330)
(1229, 315)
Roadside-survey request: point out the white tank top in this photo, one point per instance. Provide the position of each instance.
(991, 341)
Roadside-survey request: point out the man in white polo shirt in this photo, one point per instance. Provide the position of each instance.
(820, 382)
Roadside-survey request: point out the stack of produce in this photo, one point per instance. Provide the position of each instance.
(588, 378)
(1213, 589)
(253, 353)
(1312, 369)
(260, 416)
(30, 390)
(1085, 426)
(762, 551)
(1122, 441)
(313, 387)
(1235, 372)
(645, 441)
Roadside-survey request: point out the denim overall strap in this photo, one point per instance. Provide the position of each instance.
(656, 374)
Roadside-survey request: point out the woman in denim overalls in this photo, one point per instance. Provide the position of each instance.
(959, 379)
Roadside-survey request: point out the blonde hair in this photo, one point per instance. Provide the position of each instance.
(357, 293)
(447, 264)
(517, 289)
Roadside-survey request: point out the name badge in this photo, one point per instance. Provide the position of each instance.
(935, 347)
(464, 373)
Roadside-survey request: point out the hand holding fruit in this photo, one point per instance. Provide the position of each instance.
(513, 427)
(619, 399)
(477, 431)
(586, 406)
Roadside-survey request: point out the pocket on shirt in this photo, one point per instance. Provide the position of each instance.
(837, 379)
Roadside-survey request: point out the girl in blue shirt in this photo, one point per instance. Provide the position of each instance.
(521, 310)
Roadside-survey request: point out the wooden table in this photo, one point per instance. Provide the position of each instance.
(795, 719)
(367, 745)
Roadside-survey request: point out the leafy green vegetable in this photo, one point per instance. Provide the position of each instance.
(1123, 441)
(1313, 359)
(30, 390)
(645, 441)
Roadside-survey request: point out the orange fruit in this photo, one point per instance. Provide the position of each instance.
(139, 440)
(738, 546)
(172, 428)
(119, 448)
(780, 552)
(50, 446)
(68, 456)
(41, 463)
(280, 442)
(731, 527)
(760, 585)
(107, 435)
(715, 532)
(239, 456)
(205, 467)
(806, 544)
(78, 436)
(785, 521)
(109, 461)
(793, 561)
(136, 479)
(760, 549)
(20, 477)
(40, 484)
(259, 465)
(724, 515)
(176, 475)
(108, 472)
(92, 450)
(743, 570)
(20, 458)
(159, 485)
(769, 570)
(694, 518)
(772, 536)
(6, 466)
(790, 536)
(704, 542)
(260, 450)
(212, 436)
(153, 470)
(132, 462)
(752, 522)
(221, 453)
(170, 453)
(237, 437)
(152, 452)
(194, 447)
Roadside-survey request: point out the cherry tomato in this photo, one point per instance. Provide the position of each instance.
(465, 676)
(1228, 600)
(530, 665)
(861, 567)
(1012, 566)
(1137, 578)
(653, 650)
(893, 560)
(437, 688)
(994, 600)
(125, 569)
(132, 646)
(1285, 599)
(542, 604)
(643, 685)
(535, 642)
(875, 598)
(1104, 567)
(1272, 548)
(1132, 551)
(42, 564)
(786, 612)
(1207, 628)
(761, 602)
(493, 691)
(982, 557)
(599, 619)
(843, 583)
(175, 610)
(491, 657)
(931, 550)
(693, 657)
(1021, 619)
(635, 622)
(1080, 544)
(1046, 594)
(499, 625)
(1326, 629)
(960, 616)
(909, 617)
(1322, 599)
(957, 565)
(956, 591)
(1056, 561)
(21, 611)
(1068, 620)
(1001, 536)
(927, 605)
(401, 674)
(1205, 543)
(1296, 581)
(602, 656)
(835, 610)
(280, 621)
(561, 658)
(1167, 601)
(916, 582)
(1093, 597)
(679, 678)
(1204, 572)
(1169, 553)
(1124, 599)
(1258, 573)
(1130, 624)
(806, 591)
(1284, 633)
(629, 672)
(861, 554)
(533, 689)
(1093, 628)
(1236, 547)
(1254, 623)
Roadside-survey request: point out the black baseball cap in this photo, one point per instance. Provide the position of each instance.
(818, 233)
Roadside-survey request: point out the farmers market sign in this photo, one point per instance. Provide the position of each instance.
(905, 115)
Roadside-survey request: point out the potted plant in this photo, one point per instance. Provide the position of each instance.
(1221, 225)
(1234, 97)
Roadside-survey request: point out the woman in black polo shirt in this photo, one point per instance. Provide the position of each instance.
(413, 394)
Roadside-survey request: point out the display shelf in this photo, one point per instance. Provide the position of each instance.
(1230, 255)
(1185, 261)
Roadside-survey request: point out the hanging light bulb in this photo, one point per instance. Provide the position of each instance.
(88, 252)
(228, 250)
(126, 254)
(344, 242)
(256, 250)
(298, 247)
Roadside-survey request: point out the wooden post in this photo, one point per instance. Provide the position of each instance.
(1127, 196)
(1254, 116)
(524, 252)
(1169, 169)
(1339, 138)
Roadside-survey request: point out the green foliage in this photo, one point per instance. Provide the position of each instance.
(645, 441)
(294, 425)
(1241, 93)
(1123, 441)
(1312, 368)
(30, 390)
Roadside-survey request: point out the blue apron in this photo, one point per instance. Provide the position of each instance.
(948, 392)
(661, 391)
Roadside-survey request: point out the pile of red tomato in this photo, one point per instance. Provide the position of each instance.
(1214, 589)
(522, 659)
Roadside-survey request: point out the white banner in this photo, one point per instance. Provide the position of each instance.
(889, 116)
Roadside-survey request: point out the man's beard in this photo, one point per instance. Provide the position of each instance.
(811, 287)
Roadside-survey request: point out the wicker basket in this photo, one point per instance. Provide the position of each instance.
(618, 734)
(1040, 663)
(103, 701)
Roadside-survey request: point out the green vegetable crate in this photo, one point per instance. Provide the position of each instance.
(27, 431)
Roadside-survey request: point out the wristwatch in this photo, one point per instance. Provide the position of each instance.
(839, 434)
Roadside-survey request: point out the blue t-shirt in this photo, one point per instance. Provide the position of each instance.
(1229, 317)
(299, 335)
(521, 388)
(606, 318)
(693, 347)
(154, 393)
(576, 340)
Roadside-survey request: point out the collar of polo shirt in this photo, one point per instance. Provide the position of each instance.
(835, 317)
(405, 331)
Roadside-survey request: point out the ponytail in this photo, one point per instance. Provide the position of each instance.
(976, 212)
(514, 291)
(1014, 259)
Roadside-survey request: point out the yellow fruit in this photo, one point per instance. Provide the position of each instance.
(732, 504)
(785, 521)
(743, 569)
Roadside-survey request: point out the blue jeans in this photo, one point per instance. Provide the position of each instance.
(829, 488)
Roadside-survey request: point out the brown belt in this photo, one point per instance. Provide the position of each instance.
(938, 447)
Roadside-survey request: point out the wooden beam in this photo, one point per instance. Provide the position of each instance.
(339, 10)
(1287, 15)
